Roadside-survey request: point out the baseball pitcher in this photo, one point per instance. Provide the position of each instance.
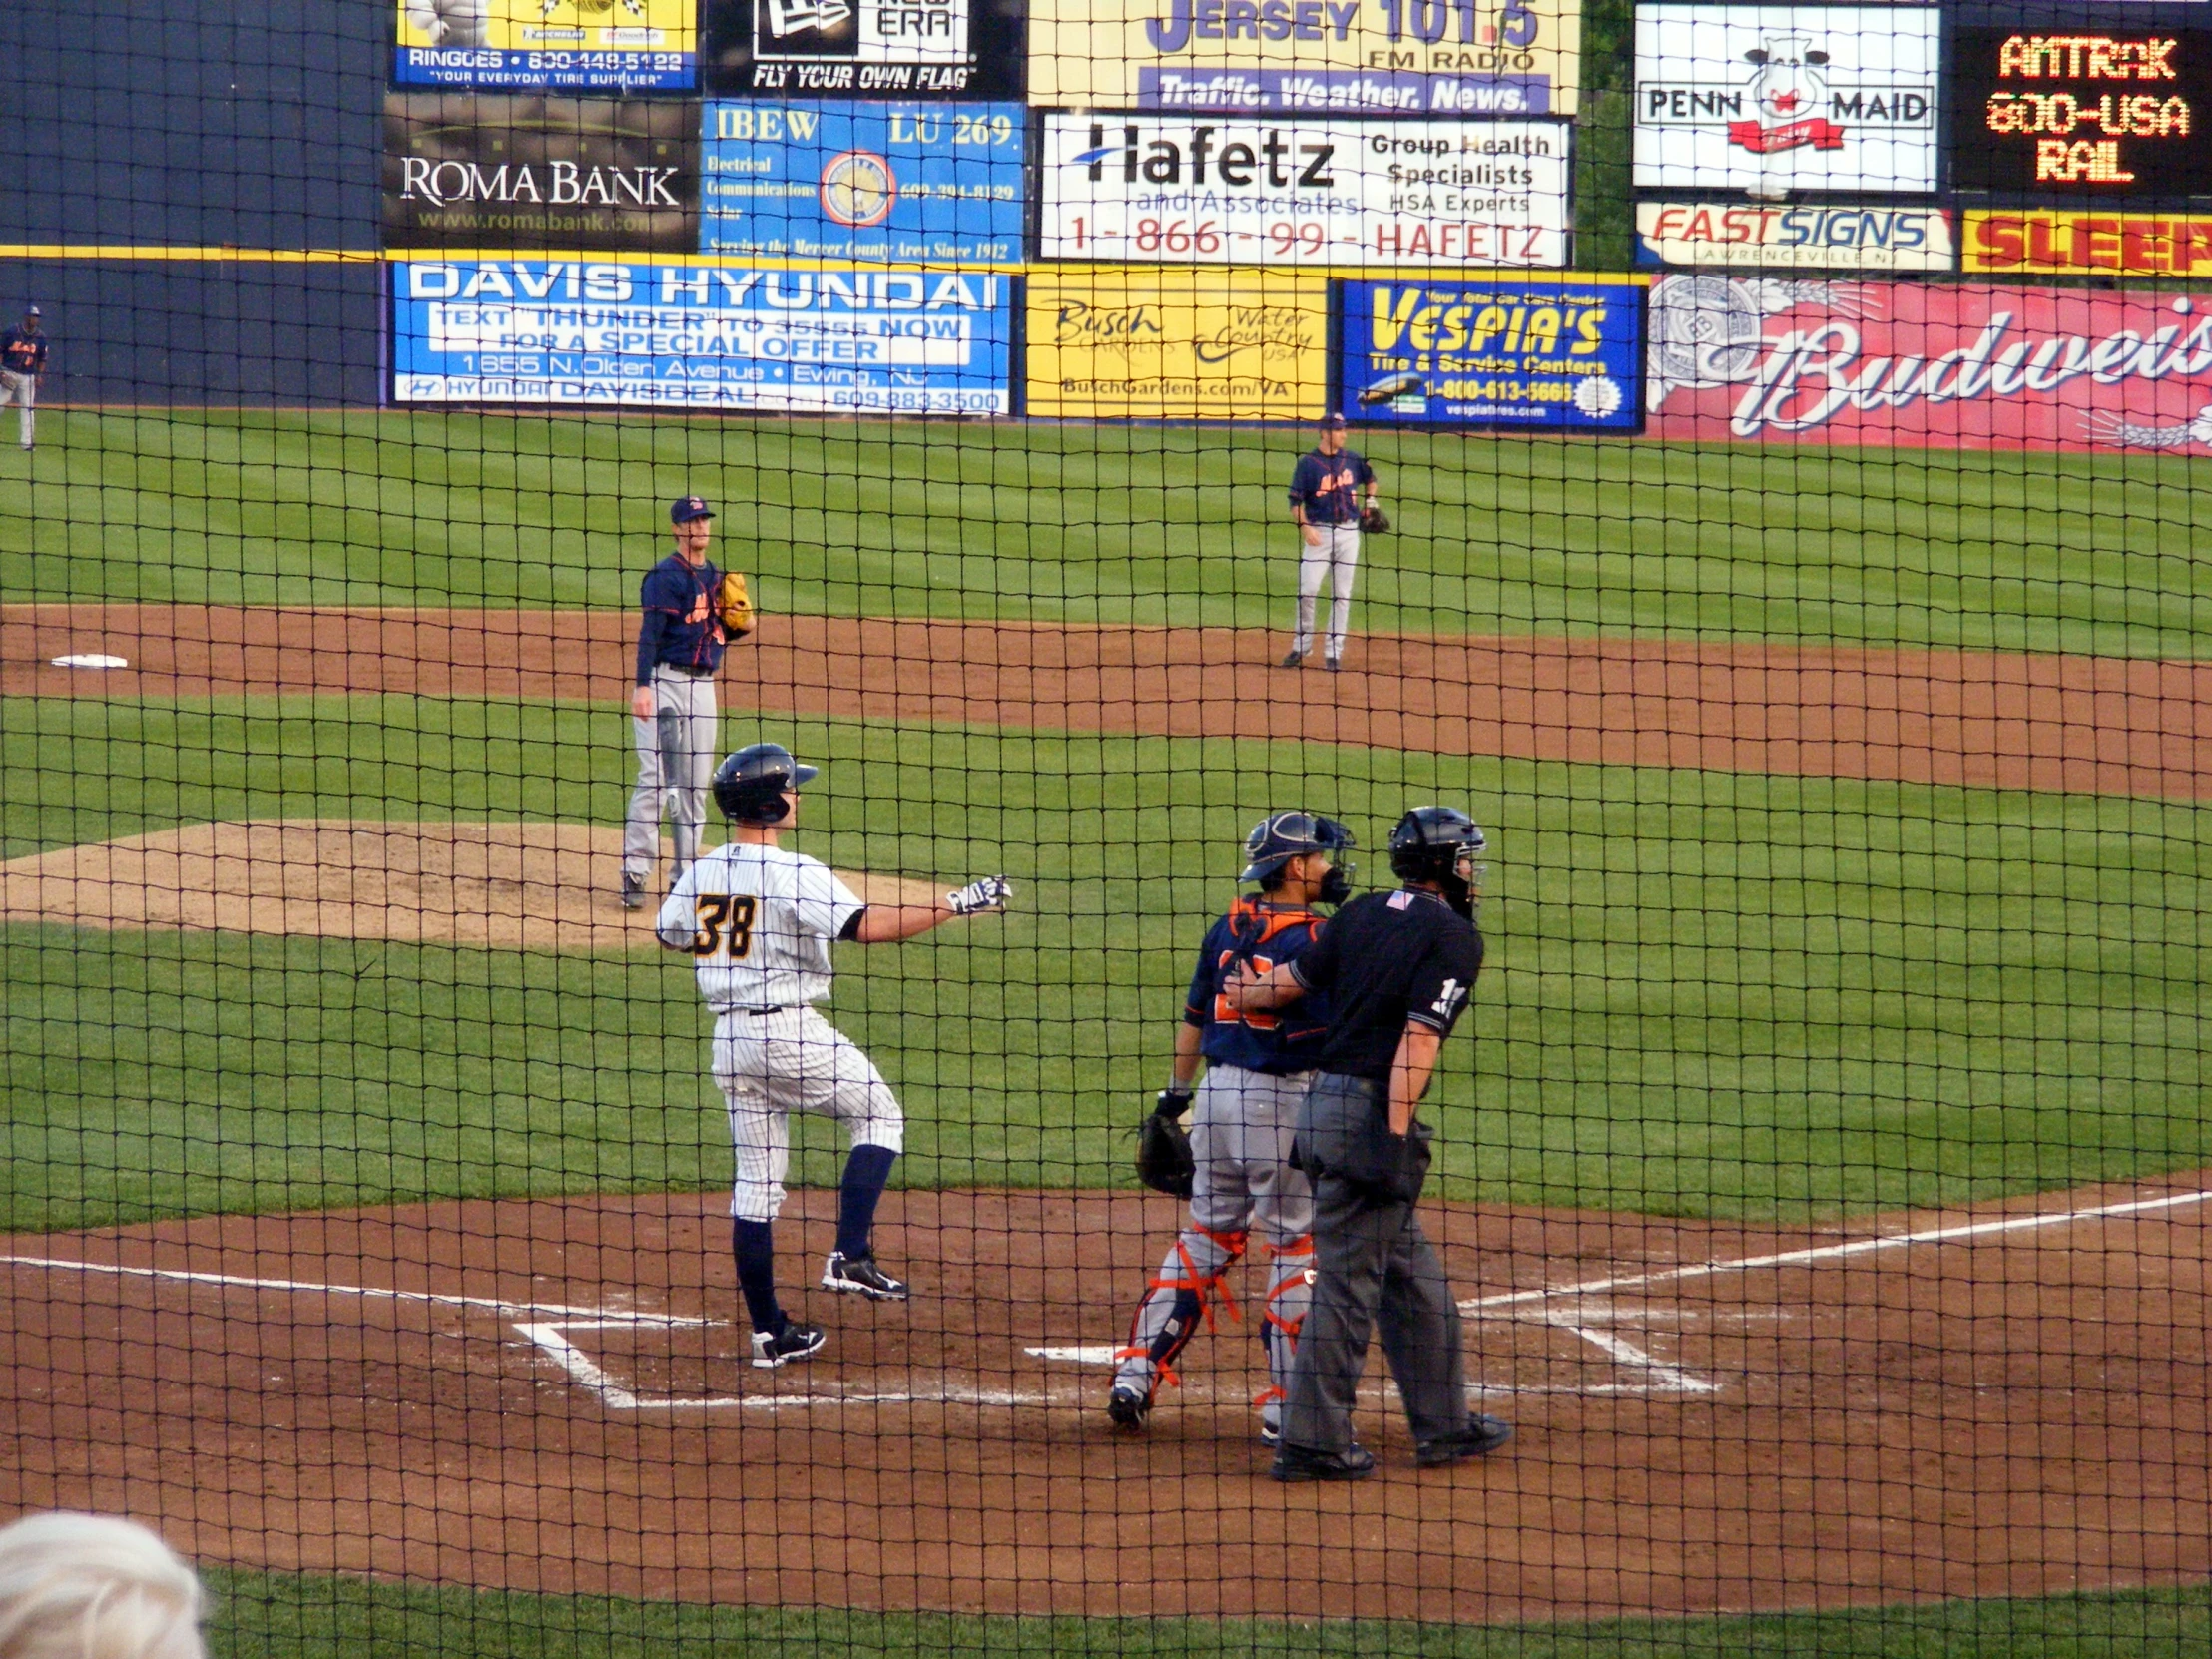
(759, 922)
(1325, 504)
(22, 363)
(1242, 1118)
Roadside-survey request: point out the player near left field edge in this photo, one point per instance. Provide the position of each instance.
(758, 920)
(22, 364)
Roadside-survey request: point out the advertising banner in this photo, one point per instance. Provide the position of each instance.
(547, 45)
(1773, 99)
(1556, 355)
(1232, 190)
(2082, 113)
(1978, 367)
(696, 336)
(1757, 234)
(1152, 344)
(467, 170)
(2112, 245)
(907, 183)
(861, 48)
(1309, 57)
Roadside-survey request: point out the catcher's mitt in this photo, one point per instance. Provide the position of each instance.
(1164, 1161)
(1374, 521)
(734, 606)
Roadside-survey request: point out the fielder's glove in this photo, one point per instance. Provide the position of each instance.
(990, 894)
(1164, 1161)
(1374, 521)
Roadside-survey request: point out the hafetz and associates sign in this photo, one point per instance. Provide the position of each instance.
(483, 170)
(697, 337)
(547, 45)
(1346, 191)
(2081, 112)
(904, 182)
(1557, 354)
(1311, 57)
(1775, 99)
(1804, 237)
(861, 48)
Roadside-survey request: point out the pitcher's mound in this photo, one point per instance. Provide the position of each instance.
(514, 886)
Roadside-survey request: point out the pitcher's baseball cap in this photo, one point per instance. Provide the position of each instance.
(687, 509)
(1332, 419)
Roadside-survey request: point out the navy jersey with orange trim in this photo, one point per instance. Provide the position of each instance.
(22, 353)
(1264, 935)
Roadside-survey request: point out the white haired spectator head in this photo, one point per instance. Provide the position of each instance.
(94, 1587)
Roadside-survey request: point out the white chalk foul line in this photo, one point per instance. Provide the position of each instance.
(1834, 1251)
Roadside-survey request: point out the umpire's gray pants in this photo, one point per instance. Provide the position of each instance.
(684, 718)
(1374, 1266)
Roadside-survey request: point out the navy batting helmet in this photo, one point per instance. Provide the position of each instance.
(1280, 836)
(750, 784)
(1441, 845)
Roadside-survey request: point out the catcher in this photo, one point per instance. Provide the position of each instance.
(1234, 1166)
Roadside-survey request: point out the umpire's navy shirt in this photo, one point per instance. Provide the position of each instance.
(671, 593)
(1328, 487)
(1282, 1042)
(1388, 960)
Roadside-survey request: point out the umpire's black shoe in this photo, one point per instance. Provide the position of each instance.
(861, 1276)
(793, 1342)
(1297, 1462)
(1482, 1434)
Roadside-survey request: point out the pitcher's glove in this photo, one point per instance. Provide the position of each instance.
(1373, 521)
(990, 894)
(1164, 1161)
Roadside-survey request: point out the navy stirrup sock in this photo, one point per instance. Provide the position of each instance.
(866, 1172)
(754, 1244)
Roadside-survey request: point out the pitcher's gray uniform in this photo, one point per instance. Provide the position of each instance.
(672, 709)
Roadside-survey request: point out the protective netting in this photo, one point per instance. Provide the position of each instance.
(555, 1107)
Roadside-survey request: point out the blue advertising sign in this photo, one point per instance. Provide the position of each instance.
(912, 182)
(698, 336)
(1565, 355)
(548, 45)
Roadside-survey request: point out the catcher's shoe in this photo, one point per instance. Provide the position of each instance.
(1290, 659)
(1297, 1462)
(1129, 1405)
(1482, 1434)
(861, 1276)
(793, 1342)
(632, 890)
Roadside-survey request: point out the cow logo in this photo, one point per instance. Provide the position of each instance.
(1789, 89)
(858, 189)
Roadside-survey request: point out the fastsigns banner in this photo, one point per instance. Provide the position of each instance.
(1805, 237)
(1229, 190)
(547, 45)
(861, 48)
(1981, 366)
(2082, 113)
(1562, 354)
(1774, 99)
(1146, 343)
(2112, 245)
(466, 170)
(698, 336)
(906, 181)
(1310, 57)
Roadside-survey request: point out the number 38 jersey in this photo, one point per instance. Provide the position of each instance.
(759, 922)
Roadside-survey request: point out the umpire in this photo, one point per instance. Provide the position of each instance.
(1398, 968)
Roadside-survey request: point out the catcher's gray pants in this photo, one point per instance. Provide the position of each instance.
(1337, 560)
(21, 389)
(675, 763)
(1372, 1266)
(1240, 1126)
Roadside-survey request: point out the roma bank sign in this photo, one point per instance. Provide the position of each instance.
(1316, 57)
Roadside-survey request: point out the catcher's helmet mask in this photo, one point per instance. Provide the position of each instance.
(1280, 836)
(750, 786)
(1444, 845)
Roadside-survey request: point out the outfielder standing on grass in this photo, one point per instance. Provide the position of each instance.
(759, 922)
(22, 363)
(1257, 1067)
(1324, 503)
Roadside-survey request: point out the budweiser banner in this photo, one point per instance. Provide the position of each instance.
(1980, 367)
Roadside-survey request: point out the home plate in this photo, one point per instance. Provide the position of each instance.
(1090, 1354)
(90, 659)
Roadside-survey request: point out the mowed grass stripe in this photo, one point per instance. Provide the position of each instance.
(1710, 993)
(2089, 554)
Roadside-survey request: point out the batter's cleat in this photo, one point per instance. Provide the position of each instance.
(861, 1276)
(632, 890)
(1294, 1463)
(1292, 658)
(1129, 1407)
(793, 1342)
(1483, 1434)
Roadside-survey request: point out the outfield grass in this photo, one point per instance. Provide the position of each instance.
(287, 1616)
(1710, 993)
(1123, 524)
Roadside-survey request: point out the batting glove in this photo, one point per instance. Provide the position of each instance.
(990, 894)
